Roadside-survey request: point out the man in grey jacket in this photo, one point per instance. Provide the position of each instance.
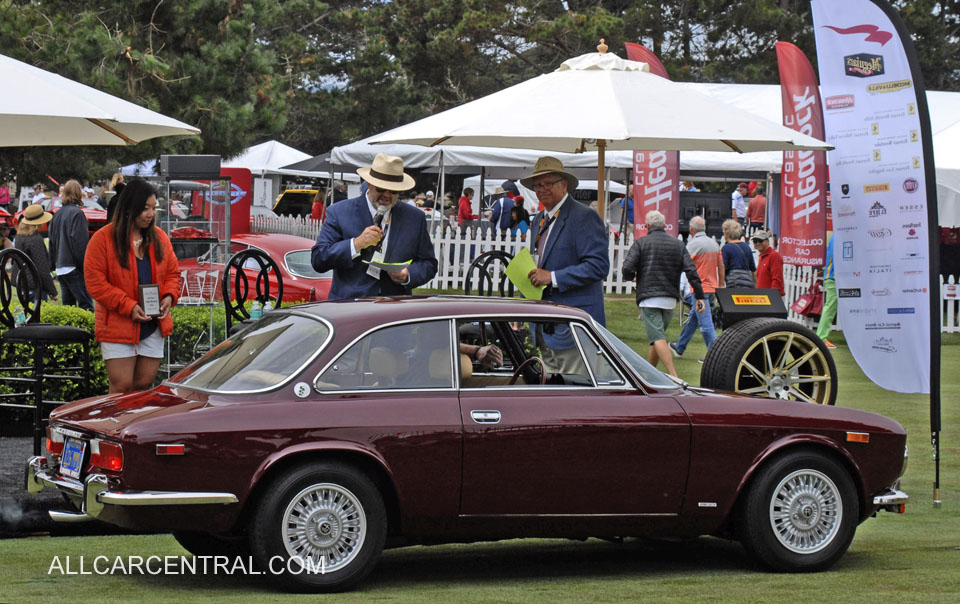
(656, 262)
(68, 246)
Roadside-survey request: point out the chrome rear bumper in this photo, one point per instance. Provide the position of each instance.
(95, 494)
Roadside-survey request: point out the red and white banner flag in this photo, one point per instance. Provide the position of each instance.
(656, 174)
(803, 185)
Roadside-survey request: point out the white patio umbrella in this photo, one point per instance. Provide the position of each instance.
(600, 101)
(40, 108)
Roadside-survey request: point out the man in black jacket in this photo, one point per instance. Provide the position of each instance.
(656, 262)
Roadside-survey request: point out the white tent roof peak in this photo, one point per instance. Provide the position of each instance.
(266, 157)
(601, 62)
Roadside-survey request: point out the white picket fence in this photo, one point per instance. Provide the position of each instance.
(456, 248)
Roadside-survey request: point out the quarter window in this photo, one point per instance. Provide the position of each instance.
(409, 356)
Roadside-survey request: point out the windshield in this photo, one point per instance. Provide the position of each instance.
(298, 263)
(262, 357)
(647, 372)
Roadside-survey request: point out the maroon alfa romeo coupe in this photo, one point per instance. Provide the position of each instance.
(321, 431)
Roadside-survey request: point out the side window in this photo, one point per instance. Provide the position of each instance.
(603, 370)
(521, 344)
(414, 355)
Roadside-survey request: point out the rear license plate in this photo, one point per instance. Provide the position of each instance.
(71, 462)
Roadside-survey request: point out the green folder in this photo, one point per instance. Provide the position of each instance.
(517, 272)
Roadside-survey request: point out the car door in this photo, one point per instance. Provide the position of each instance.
(586, 446)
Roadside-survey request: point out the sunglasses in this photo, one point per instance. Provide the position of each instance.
(379, 190)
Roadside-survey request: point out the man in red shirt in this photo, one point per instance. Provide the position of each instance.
(770, 267)
(757, 209)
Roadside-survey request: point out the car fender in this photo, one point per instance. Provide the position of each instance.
(799, 440)
(343, 449)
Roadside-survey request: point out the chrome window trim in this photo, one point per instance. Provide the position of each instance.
(626, 382)
(295, 275)
(290, 378)
(624, 365)
(454, 368)
(634, 381)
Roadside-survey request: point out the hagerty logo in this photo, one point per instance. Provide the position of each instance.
(863, 65)
(876, 210)
(884, 345)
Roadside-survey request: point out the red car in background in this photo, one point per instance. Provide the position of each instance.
(95, 214)
(200, 276)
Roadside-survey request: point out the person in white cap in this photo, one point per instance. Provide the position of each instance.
(374, 228)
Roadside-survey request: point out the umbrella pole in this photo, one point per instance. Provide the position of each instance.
(601, 196)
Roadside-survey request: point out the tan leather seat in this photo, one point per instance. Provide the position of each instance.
(466, 367)
(439, 367)
(386, 364)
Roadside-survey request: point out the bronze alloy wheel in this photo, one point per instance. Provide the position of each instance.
(774, 358)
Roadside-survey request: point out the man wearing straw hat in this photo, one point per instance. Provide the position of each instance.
(569, 246)
(375, 228)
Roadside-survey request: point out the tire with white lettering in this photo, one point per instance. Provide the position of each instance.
(319, 528)
(799, 513)
(772, 358)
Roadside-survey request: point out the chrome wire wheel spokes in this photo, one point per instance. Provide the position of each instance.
(806, 511)
(785, 365)
(324, 526)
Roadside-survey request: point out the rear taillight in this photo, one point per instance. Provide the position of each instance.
(54, 442)
(106, 455)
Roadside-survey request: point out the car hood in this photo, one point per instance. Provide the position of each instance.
(706, 407)
(109, 415)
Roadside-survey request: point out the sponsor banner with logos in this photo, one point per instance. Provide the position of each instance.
(656, 174)
(872, 117)
(803, 183)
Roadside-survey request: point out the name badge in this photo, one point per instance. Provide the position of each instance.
(150, 299)
(377, 257)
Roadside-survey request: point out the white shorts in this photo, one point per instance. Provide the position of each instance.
(151, 347)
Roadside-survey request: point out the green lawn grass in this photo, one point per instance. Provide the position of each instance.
(903, 558)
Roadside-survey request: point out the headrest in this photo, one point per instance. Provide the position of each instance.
(387, 363)
(439, 365)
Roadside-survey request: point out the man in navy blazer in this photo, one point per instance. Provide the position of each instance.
(374, 227)
(569, 244)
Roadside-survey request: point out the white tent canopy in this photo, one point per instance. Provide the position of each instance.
(266, 158)
(42, 109)
(762, 100)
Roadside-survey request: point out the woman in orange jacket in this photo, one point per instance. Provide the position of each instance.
(129, 252)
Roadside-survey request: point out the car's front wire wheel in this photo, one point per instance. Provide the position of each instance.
(319, 527)
(800, 513)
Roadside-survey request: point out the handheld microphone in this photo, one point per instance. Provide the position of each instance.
(378, 219)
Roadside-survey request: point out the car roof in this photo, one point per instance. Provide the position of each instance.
(273, 242)
(379, 311)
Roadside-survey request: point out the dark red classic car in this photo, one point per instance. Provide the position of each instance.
(323, 430)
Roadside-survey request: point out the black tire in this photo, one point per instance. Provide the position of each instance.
(200, 543)
(329, 515)
(799, 514)
(802, 367)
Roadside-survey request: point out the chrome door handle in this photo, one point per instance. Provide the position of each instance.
(486, 417)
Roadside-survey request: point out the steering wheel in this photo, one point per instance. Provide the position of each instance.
(543, 371)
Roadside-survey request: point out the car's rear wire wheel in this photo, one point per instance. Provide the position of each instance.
(319, 527)
(773, 358)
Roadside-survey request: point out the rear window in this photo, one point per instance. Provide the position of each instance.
(262, 357)
(299, 265)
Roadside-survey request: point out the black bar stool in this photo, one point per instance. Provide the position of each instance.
(236, 287)
(40, 336)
